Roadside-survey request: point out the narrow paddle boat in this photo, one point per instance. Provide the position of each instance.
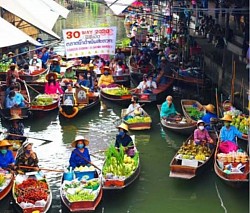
(120, 170)
(31, 192)
(180, 126)
(191, 160)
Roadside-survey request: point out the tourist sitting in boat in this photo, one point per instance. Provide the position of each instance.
(210, 113)
(6, 155)
(90, 82)
(228, 134)
(26, 159)
(164, 71)
(81, 81)
(25, 70)
(10, 88)
(15, 99)
(168, 111)
(146, 85)
(119, 56)
(106, 78)
(18, 98)
(124, 140)
(52, 86)
(134, 109)
(80, 155)
(55, 66)
(44, 56)
(16, 128)
(201, 135)
(35, 62)
(120, 68)
(52, 53)
(70, 88)
(70, 73)
(11, 74)
(10, 101)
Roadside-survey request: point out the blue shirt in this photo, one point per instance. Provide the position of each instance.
(206, 119)
(124, 141)
(6, 159)
(77, 158)
(19, 98)
(10, 102)
(229, 134)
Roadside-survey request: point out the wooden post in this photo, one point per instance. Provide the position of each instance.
(232, 84)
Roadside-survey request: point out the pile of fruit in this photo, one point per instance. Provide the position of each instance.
(242, 123)
(118, 91)
(82, 191)
(2, 179)
(43, 100)
(31, 190)
(118, 164)
(139, 119)
(194, 112)
(191, 151)
(4, 66)
(84, 168)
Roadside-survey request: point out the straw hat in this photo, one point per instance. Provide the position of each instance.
(106, 68)
(4, 143)
(55, 59)
(210, 108)
(51, 74)
(163, 58)
(227, 118)
(15, 117)
(26, 143)
(79, 138)
(12, 65)
(123, 126)
(199, 122)
(91, 65)
(10, 53)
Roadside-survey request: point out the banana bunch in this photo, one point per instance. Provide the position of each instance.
(200, 156)
(2, 179)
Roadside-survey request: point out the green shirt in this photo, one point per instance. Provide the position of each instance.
(167, 110)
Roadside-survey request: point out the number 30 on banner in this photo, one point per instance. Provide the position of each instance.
(74, 34)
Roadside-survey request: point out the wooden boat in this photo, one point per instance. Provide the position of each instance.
(31, 192)
(139, 122)
(44, 103)
(6, 113)
(117, 94)
(237, 178)
(85, 101)
(183, 168)
(82, 205)
(186, 128)
(187, 105)
(112, 182)
(7, 185)
(122, 79)
(157, 95)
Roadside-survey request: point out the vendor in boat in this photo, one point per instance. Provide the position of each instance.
(228, 133)
(134, 109)
(164, 71)
(69, 73)
(210, 113)
(16, 128)
(55, 66)
(168, 110)
(11, 74)
(80, 155)
(52, 86)
(106, 78)
(26, 160)
(122, 138)
(201, 135)
(6, 155)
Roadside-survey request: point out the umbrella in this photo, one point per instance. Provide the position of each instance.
(137, 4)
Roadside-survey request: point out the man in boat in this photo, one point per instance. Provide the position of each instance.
(16, 128)
(210, 113)
(6, 155)
(201, 135)
(26, 160)
(124, 140)
(18, 98)
(168, 110)
(80, 155)
(228, 134)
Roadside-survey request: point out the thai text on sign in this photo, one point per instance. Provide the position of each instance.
(89, 41)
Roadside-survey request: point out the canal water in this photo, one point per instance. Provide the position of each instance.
(153, 191)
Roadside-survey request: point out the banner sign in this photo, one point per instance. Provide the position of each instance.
(89, 41)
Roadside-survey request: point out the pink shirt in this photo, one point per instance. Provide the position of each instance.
(201, 135)
(53, 89)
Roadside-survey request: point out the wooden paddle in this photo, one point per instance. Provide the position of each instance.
(27, 137)
(31, 167)
(31, 87)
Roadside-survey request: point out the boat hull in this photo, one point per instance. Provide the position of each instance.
(7, 189)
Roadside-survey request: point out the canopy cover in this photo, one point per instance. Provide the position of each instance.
(117, 6)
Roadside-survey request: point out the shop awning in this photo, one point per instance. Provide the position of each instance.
(36, 13)
(10, 35)
(117, 6)
(62, 11)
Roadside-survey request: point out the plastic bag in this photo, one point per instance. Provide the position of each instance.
(228, 146)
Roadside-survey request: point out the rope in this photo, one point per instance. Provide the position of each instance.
(221, 201)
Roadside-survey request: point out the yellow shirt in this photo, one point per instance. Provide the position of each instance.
(105, 80)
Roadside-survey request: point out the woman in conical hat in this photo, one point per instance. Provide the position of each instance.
(52, 86)
(80, 155)
(210, 113)
(16, 127)
(6, 155)
(122, 138)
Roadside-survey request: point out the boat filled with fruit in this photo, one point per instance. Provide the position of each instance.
(31, 192)
(6, 181)
(180, 125)
(81, 189)
(120, 169)
(191, 159)
(45, 103)
(116, 93)
(232, 167)
(140, 121)
(192, 109)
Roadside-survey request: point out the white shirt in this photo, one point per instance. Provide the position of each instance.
(131, 108)
(147, 85)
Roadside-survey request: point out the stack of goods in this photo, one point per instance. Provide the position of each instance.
(233, 157)
(139, 119)
(119, 165)
(43, 100)
(116, 90)
(191, 151)
(194, 112)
